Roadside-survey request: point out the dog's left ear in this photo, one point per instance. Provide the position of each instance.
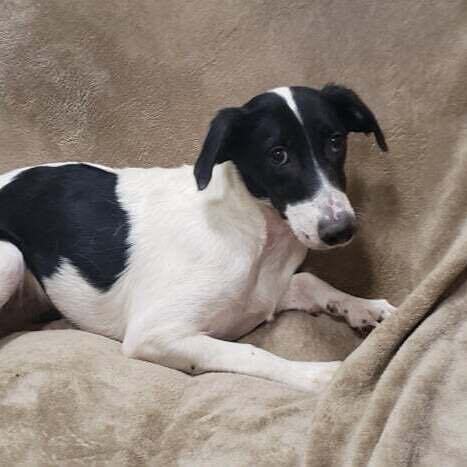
(218, 144)
(354, 114)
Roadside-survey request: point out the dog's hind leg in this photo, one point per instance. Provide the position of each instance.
(11, 271)
(200, 353)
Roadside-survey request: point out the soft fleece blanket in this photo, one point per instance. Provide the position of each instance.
(135, 83)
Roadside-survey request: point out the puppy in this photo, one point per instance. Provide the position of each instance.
(176, 263)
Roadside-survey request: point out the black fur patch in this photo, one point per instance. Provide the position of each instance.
(71, 211)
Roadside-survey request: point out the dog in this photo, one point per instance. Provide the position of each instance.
(178, 263)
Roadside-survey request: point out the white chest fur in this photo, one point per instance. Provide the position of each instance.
(266, 277)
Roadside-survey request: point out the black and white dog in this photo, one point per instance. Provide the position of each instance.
(176, 265)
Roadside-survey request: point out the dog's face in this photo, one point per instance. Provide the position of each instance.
(289, 145)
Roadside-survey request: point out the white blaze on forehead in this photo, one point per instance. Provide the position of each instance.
(287, 95)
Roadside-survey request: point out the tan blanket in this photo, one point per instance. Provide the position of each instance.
(135, 83)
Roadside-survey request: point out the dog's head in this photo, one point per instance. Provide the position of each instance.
(289, 145)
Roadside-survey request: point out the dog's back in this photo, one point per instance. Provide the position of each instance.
(70, 212)
(67, 222)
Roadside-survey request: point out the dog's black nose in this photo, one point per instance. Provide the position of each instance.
(336, 231)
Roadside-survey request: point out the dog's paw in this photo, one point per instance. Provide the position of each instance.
(361, 313)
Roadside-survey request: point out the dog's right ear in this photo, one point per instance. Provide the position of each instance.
(218, 144)
(354, 113)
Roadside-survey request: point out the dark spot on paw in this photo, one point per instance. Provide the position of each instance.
(346, 312)
(364, 321)
(331, 308)
(364, 331)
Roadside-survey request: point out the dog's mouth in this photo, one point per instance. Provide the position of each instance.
(313, 242)
(323, 222)
(324, 234)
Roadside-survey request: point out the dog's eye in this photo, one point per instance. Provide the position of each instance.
(279, 156)
(336, 142)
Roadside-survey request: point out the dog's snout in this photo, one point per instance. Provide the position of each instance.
(337, 230)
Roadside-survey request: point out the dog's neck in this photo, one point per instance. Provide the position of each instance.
(276, 227)
(229, 186)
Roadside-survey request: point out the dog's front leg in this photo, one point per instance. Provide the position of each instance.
(307, 292)
(200, 353)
